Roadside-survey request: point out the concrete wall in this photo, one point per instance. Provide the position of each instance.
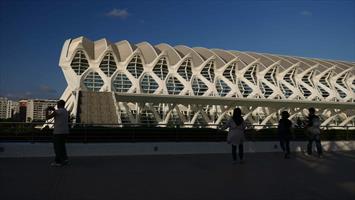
(112, 149)
(97, 108)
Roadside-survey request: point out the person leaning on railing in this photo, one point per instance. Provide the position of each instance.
(61, 129)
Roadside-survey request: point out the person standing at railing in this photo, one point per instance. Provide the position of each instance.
(284, 132)
(313, 132)
(61, 129)
(235, 136)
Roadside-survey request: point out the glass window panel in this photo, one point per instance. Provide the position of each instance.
(79, 63)
(198, 87)
(306, 93)
(208, 71)
(342, 94)
(222, 88)
(250, 74)
(285, 90)
(244, 89)
(271, 76)
(230, 72)
(323, 92)
(135, 67)
(161, 68)
(266, 90)
(108, 64)
(148, 84)
(185, 70)
(174, 86)
(93, 81)
(121, 83)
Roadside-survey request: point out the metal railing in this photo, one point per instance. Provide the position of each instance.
(40, 125)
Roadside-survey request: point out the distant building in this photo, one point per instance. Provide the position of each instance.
(3, 108)
(6, 108)
(15, 108)
(35, 109)
(22, 110)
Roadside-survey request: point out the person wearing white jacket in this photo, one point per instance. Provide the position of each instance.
(61, 130)
(236, 136)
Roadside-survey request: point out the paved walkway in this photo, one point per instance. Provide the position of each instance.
(263, 176)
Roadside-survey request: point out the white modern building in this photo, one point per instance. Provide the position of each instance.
(7, 108)
(4, 109)
(140, 83)
(14, 108)
(35, 110)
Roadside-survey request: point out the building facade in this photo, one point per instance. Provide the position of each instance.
(181, 85)
(3, 108)
(22, 110)
(35, 109)
(7, 108)
(14, 108)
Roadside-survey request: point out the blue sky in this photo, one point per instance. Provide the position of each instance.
(33, 32)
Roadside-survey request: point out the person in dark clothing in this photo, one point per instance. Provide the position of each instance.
(313, 132)
(284, 131)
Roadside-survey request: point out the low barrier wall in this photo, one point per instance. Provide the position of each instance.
(157, 148)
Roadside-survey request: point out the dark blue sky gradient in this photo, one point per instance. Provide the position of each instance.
(33, 32)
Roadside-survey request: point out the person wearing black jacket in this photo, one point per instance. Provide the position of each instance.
(284, 131)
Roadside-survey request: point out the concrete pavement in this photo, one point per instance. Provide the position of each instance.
(209, 176)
